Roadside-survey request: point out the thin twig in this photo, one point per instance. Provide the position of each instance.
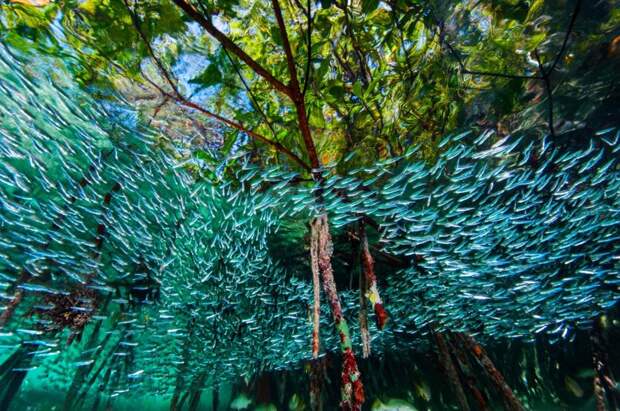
(228, 44)
(548, 90)
(309, 45)
(250, 93)
(569, 29)
(465, 70)
(544, 73)
(147, 44)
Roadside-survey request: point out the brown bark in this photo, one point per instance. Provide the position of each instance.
(391, 259)
(599, 394)
(464, 364)
(11, 307)
(295, 92)
(317, 374)
(512, 403)
(450, 369)
(363, 317)
(352, 393)
(368, 266)
(316, 288)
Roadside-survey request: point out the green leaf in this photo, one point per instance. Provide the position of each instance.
(337, 91)
(229, 141)
(369, 5)
(276, 35)
(357, 89)
(205, 156)
(209, 77)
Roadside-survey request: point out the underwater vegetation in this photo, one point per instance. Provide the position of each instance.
(382, 259)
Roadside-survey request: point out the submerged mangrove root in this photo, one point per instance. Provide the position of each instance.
(18, 296)
(196, 391)
(12, 374)
(448, 366)
(104, 385)
(182, 370)
(363, 317)
(10, 308)
(605, 391)
(368, 266)
(317, 376)
(215, 399)
(316, 289)
(352, 390)
(599, 394)
(82, 372)
(464, 365)
(512, 403)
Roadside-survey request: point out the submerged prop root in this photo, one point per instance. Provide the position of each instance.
(352, 388)
(363, 318)
(10, 308)
(451, 372)
(317, 375)
(368, 266)
(479, 353)
(316, 288)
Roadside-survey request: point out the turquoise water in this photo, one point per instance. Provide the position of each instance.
(127, 282)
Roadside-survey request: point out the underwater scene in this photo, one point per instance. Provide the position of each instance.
(309, 205)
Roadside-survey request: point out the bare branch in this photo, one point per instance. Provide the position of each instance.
(290, 59)
(544, 73)
(253, 98)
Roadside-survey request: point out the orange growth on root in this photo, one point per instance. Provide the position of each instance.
(381, 314)
(352, 388)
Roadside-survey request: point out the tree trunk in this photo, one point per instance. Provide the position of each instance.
(604, 383)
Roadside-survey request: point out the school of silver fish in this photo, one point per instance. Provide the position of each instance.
(516, 234)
